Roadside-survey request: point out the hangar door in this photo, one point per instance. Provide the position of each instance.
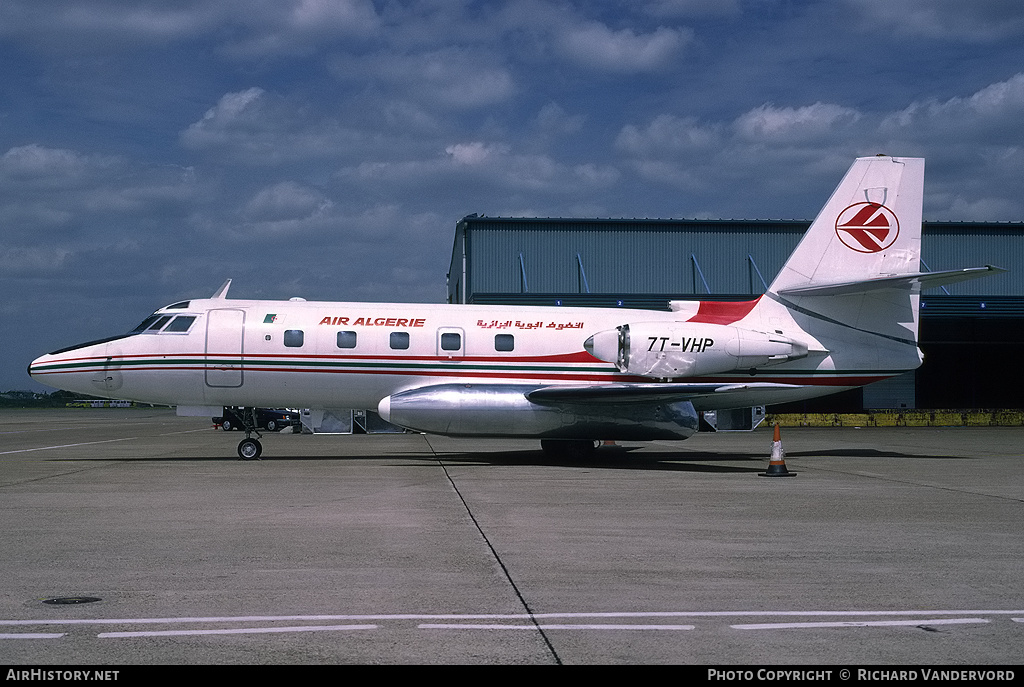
(224, 332)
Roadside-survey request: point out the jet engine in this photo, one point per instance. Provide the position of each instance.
(666, 350)
(504, 410)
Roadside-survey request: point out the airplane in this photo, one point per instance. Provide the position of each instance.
(841, 313)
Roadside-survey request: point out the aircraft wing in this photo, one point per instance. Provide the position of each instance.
(624, 393)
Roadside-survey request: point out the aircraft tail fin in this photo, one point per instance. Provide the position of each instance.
(853, 282)
(870, 228)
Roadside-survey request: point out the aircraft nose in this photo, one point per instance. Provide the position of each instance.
(37, 369)
(33, 368)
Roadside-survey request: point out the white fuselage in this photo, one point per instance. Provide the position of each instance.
(327, 354)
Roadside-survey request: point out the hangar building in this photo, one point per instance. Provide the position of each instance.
(972, 333)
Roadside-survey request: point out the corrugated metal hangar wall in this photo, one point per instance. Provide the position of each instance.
(971, 332)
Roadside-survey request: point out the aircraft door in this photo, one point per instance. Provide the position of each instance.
(451, 342)
(225, 330)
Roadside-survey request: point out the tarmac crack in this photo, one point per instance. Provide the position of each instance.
(929, 485)
(497, 557)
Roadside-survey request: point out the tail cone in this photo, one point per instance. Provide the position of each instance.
(777, 463)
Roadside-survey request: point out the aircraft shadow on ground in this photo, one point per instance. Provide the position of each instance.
(617, 457)
(868, 453)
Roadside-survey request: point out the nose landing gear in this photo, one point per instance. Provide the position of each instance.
(249, 448)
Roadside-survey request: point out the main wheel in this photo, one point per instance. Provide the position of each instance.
(250, 449)
(572, 449)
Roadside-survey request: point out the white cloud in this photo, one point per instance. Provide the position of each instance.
(476, 169)
(297, 27)
(692, 8)
(474, 153)
(794, 123)
(53, 167)
(595, 45)
(286, 200)
(258, 128)
(976, 156)
(980, 20)
(552, 121)
(34, 260)
(448, 79)
(1000, 103)
(245, 29)
(105, 24)
(349, 16)
(668, 134)
(234, 115)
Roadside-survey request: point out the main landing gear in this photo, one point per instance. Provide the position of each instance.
(249, 448)
(571, 449)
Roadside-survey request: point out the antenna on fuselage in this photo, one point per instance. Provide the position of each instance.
(222, 292)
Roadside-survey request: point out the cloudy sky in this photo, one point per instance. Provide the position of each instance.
(150, 149)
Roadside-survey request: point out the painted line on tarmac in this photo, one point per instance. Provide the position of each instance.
(543, 626)
(859, 623)
(47, 448)
(237, 631)
(32, 635)
(502, 616)
(187, 431)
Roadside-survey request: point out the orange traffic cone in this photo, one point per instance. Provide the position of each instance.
(777, 463)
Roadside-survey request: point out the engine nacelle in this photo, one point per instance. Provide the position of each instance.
(504, 411)
(680, 349)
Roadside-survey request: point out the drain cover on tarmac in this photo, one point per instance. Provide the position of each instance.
(72, 600)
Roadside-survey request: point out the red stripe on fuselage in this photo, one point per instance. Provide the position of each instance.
(723, 312)
(579, 357)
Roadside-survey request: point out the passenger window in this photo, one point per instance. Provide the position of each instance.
(293, 338)
(180, 324)
(504, 342)
(451, 341)
(346, 339)
(399, 340)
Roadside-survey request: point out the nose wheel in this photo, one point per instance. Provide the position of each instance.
(249, 448)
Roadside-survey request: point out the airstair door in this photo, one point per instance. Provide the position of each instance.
(225, 330)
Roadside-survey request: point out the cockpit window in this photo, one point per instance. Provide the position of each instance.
(180, 324)
(160, 322)
(145, 324)
(154, 323)
(183, 305)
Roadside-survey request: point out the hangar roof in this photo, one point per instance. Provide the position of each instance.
(518, 259)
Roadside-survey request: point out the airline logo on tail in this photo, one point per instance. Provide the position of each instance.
(867, 227)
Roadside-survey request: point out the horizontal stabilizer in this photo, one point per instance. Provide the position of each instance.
(927, 280)
(621, 393)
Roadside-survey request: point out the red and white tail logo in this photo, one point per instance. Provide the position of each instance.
(867, 227)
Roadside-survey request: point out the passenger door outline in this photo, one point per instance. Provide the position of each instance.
(225, 334)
